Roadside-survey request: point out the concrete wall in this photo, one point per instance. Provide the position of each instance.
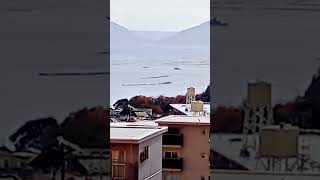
(153, 165)
(149, 169)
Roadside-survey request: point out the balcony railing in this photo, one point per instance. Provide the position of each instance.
(173, 139)
(168, 163)
(118, 171)
(121, 170)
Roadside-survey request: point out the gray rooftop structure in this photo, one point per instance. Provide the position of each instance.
(134, 134)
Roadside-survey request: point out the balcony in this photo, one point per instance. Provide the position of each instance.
(172, 140)
(172, 164)
(123, 171)
(118, 171)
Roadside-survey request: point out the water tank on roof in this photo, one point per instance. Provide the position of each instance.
(191, 91)
(197, 106)
(281, 142)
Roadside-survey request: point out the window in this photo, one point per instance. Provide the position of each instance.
(203, 155)
(202, 178)
(173, 131)
(167, 154)
(203, 132)
(118, 164)
(171, 155)
(174, 155)
(118, 156)
(171, 177)
(118, 171)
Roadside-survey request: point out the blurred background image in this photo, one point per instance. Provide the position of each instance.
(54, 92)
(265, 57)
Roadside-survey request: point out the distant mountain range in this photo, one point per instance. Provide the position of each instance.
(123, 39)
(195, 36)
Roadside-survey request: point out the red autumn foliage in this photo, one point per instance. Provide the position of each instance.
(163, 98)
(161, 104)
(285, 112)
(87, 126)
(286, 108)
(157, 109)
(179, 100)
(141, 101)
(227, 120)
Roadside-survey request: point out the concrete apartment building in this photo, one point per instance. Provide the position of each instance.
(186, 147)
(136, 152)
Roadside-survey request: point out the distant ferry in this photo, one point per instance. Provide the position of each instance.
(216, 22)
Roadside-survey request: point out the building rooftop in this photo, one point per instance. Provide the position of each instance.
(143, 123)
(229, 146)
(182, 109)
(126, 133)
(184, 119)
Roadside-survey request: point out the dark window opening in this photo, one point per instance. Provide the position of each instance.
(173, 131)
(171, 155)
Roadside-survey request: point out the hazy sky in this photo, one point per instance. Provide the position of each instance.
(159, 15)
